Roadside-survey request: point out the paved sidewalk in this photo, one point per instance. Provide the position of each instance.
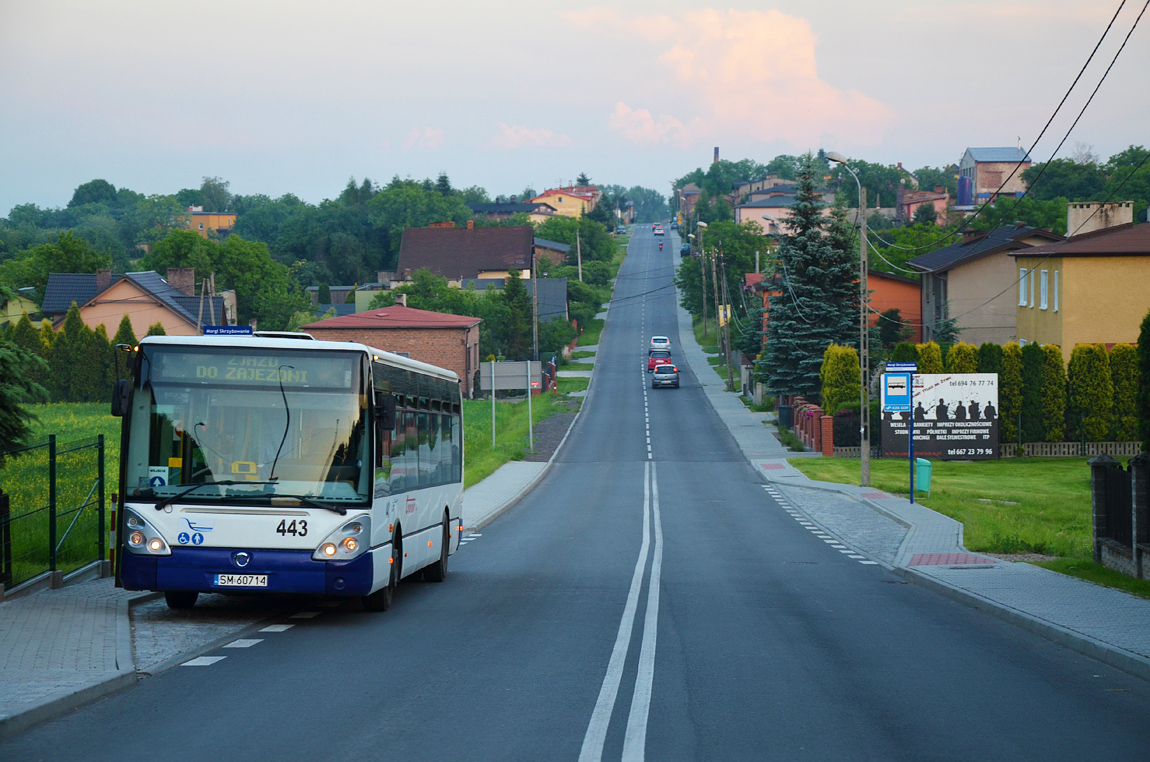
(926, 547)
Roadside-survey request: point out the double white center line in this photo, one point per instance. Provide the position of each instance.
(635, 739)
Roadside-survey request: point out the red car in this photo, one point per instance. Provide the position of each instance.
(657, 357)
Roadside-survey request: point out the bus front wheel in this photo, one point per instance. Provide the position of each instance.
(382, 599)
(181, 599)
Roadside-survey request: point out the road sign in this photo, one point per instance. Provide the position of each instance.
(896, 392)
(901, 367)
(227, 330)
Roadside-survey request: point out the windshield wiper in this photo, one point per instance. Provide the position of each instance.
(180, 495)
(304, 499)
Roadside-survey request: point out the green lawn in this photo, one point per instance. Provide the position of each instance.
(1015, 505)
(591, 333)
(480, 458)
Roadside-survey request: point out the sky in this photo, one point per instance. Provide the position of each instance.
(298, 97)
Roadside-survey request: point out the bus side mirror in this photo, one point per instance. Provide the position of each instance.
(121, 391)
(385, 410)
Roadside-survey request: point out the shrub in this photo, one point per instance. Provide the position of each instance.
(1053, 394)
(1124, 376)
(1033, 360)
(904, 351)
(962, 358)
(846, 428)
(839, 376)
(930, 358)
(990, 360)
(1010, 392)
(1144, 386)
(596, 273)
(1090, 400)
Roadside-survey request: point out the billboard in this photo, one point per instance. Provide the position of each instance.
(955, 417)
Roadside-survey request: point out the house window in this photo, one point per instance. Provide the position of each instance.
(1022, 287)
(201, 226)
(1042, 287)
(1056, 291)
(1030, 277)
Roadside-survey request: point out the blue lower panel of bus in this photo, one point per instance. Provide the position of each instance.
(287, 571)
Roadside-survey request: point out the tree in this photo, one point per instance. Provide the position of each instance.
(1124, 375)
(818, 303)
(443, 185)
(1144, 386)
(93, 192)
(18, 367)
(124, 335)
(891, 329)
(1033, 360)
(215, 194)
(582, 179)
(840, 376)
(324, 296)
(930, 358)
(520, 340)
(1010, 392)
(1006, 210)
(554, 335)
(990, 359)
(1064, 178)
(925, 214)
(1054, 393)
(904, 351)
(156, 329)
(1090, 402)
(749, 339)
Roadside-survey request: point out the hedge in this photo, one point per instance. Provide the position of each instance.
(1010, 392)
(1124, 376)
(1090, 400)
(930, 358)
(990, 360)
(1033, 360)
(1144, 388)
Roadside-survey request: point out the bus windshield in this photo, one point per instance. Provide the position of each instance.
(290, 423)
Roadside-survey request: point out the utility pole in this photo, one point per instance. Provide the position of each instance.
(715, 286)
(534, 308)
(727, 355)
(700, 227)
(864, 344)
(579, 255)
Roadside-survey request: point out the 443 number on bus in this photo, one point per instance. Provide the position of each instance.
(296, 528)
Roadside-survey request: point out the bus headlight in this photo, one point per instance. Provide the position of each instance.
(143, 538)
(348, 542)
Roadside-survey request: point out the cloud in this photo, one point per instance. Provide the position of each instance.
(639, 127)
(744, 74)
(429, 137)
(517, 136)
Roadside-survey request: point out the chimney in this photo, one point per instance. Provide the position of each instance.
(183, 278)
(103, 280)
(972, 235)
(514, 200)
(471, 224)
(716, 154)
(401, 300)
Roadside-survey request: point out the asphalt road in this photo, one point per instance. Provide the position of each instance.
(645, 601)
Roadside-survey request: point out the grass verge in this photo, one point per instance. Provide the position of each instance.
(482, 459)
(591, 332)
(1024, 505)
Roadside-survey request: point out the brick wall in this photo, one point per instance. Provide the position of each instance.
(456, 349)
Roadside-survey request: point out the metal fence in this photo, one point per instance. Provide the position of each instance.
(52, 509)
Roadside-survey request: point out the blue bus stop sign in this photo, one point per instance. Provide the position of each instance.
(896, 392)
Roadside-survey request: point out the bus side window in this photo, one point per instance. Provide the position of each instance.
(398, 455)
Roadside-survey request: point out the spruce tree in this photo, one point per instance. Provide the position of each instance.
(818, 303)
(518, 301)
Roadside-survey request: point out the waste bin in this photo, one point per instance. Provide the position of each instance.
(922, 470)
(786, 416)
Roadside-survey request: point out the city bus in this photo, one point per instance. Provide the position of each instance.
(251, 464)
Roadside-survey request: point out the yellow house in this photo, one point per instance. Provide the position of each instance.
(207, 222)
(1088, 289)
(566, 202)
(11, 310)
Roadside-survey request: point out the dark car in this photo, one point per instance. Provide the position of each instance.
(665, 375)
(657, 357)
(684, 250)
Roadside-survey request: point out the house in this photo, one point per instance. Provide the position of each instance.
(772, 211)
(688, 197)
(1088, 289)
(145, 297)
(555, 252)
(573, 201)
(536, 212)
(204, 223)
(11, 310)
(973, 281)
(448, 341)
(907, 202)
(983, 172)
(889, 291)
(552, 294)
(471, 252)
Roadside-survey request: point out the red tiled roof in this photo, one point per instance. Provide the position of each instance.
(396, 317)
(1121, 240)
(753, 278)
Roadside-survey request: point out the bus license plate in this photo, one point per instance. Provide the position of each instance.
(241, 580)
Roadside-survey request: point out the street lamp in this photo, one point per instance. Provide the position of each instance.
(864, 334)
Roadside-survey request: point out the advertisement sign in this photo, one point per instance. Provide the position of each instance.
(955, 417)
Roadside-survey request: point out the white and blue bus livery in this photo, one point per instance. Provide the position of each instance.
(280, 465)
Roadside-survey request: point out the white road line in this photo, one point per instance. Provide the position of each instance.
(635, 740)
(203, 661)
(304, 615)
(856, 557)
(277, 628)
(596, 734)
(869, 563)
(244, 643)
